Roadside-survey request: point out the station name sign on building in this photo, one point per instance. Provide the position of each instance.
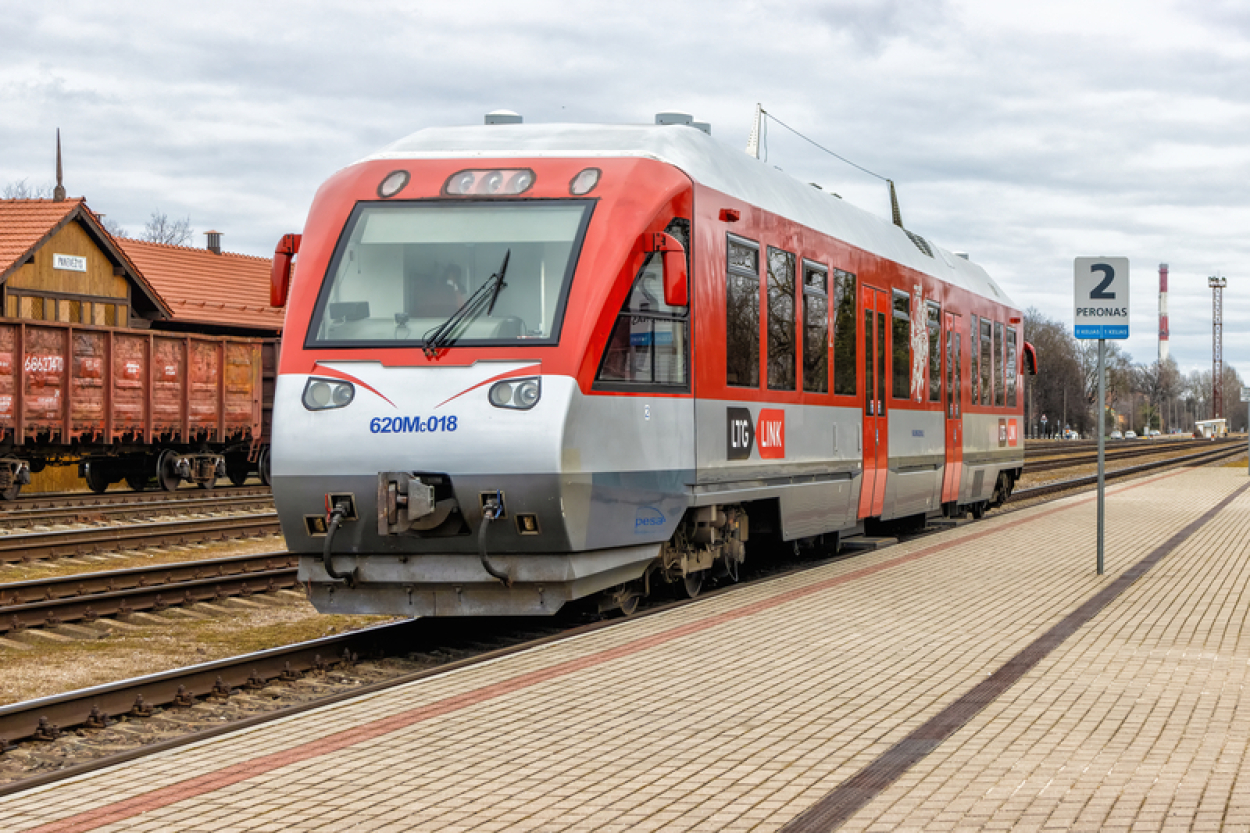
(1101, 297)
(72, 263)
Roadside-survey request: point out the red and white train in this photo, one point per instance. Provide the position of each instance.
(527, 364)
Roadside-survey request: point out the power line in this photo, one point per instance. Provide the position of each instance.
(817, 144)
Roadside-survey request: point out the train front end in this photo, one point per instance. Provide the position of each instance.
(434, 453)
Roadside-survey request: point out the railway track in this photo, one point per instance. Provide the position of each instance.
(36, 546)
(426, 647)
(52, 602)
(118, 511)
(64, 500)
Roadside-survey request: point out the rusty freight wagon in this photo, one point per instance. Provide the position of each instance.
(139, 362)
(133, 406)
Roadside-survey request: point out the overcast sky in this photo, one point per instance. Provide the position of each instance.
(1024, 133)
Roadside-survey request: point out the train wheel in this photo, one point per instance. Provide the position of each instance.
(978, 510)
(237, 478)
(137, 482)
(208, 485)
(262, 465)
(692, 583)
(166, 470)
(97, 481)
(12, 492)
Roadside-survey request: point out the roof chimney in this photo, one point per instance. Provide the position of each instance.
(503, 117)
(214, 241)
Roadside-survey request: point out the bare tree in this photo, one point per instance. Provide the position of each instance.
(160, 229)
(20, 190)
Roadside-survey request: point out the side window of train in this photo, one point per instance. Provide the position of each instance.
(844, 296)
(901, 336)
(1000, 378)
(1012, 368)
(934, 323)
(815, 328)
(987, 363)
(648, 341)
(974, 356)
(782, 352)
(742, 313)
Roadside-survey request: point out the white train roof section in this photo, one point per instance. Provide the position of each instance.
(708, 162)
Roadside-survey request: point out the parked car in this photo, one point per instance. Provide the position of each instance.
(1130, 435)
(1116, 435)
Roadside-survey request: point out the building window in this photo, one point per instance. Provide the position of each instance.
(742, 313)
(901, 337)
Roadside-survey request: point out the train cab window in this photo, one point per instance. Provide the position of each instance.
(987, 363)
(1000, 378)
(901, 337)
(934, 324)
(742, 313)
(815, 328)
(844, 296)
(403, 270)
(1012, 369)
(648, 341)
(782, 351)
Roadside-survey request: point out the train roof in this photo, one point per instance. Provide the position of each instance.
(708, 162)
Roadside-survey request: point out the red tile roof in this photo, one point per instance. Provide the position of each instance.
(25, 225)
(203, 287)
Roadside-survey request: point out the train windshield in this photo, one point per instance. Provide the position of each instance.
(403, 269)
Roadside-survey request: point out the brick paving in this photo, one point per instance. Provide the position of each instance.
(742, 711)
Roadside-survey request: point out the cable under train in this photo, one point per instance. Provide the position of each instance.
(527, 364)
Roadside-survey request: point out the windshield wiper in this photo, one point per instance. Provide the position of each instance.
(482, 299)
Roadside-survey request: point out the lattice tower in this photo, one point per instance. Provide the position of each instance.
(1217, 285)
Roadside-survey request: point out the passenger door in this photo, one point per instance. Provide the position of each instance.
(875, 306)
(954, 407)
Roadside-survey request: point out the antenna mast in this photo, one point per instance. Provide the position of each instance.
(753, 141)
(1217, 285)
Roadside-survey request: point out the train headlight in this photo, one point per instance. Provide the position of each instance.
(393, 184)
(491, 182)
(324, 394)
(519, 394)
(584, 182)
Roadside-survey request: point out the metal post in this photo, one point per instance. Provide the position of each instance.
(1102, 430)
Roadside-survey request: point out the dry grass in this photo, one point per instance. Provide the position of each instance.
(149, 648)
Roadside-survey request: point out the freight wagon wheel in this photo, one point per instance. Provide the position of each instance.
(208, 484)
(11, 492)
(237, 468)
(167, 471)
(262, 465)
(138, 482)
(97, 481)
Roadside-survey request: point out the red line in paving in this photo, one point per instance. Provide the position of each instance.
(200, 785)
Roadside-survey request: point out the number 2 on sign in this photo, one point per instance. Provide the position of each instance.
(1099, 293)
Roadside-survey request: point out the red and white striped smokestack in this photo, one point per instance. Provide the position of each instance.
(1163, 311)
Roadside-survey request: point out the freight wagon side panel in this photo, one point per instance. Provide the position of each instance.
(87, 403)
(8, 381)
(241, 408)
(131, 406)
(169, 376)
(204, 401)
(43, 381)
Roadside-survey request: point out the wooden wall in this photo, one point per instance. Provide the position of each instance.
(38, 291)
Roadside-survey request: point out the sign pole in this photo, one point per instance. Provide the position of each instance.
(1102, 440)
(1100, 290)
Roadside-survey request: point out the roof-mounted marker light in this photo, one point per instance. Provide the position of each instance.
(585, 182)
(392, 184)
(496, 183)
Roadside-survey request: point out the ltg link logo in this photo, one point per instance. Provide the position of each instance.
(743, 434)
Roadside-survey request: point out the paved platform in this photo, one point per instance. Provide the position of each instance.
(981, 678)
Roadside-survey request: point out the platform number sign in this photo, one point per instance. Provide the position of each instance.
(1101, 297)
